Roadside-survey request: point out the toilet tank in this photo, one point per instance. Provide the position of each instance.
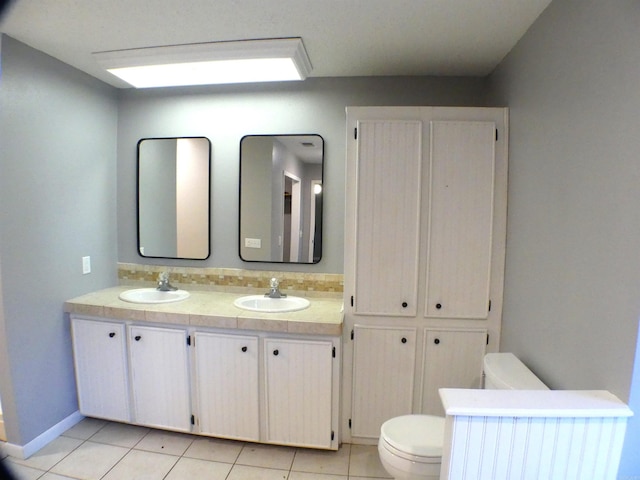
(505, 371)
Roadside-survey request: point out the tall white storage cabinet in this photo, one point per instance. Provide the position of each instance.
(424, 257)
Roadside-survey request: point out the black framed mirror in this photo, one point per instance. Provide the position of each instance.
(173, 185)
(281, 188)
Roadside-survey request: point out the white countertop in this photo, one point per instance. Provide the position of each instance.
(324, 316)
(532, 403)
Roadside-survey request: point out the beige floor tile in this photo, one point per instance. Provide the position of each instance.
(365, 462)
(267, 456)
(322, 461)
(54, 476)
(50, 454)
(244, 472)
(139, 465)
(85, 428)
(23, 472)
(193, 469)
(120, 434)
(214, 450)
(315, 476)
(90, 461)
(170, 443)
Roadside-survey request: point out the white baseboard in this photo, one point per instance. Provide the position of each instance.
(25, 451)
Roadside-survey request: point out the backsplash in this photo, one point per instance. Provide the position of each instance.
(234, 279)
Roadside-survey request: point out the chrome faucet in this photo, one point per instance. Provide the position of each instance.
(274, 291)
(163, 283)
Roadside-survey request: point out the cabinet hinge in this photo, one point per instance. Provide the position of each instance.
(349, 424)
(352, 334)
(333, 435)
(487, 339)
(355, 133)
(193, 419)
(333, 352)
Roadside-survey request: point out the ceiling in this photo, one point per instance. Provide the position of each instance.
(343, 38)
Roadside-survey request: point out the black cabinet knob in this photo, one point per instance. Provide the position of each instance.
(276, 352)
(137, 338)
(438, 306)
(244, 349)
(405, 304)
(404, 340)
(112, 334)
(437, 341)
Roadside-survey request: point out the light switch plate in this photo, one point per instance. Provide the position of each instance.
(252, 242)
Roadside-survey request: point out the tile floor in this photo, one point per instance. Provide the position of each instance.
(95, 449)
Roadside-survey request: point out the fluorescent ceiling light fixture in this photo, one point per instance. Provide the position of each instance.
(245, 61)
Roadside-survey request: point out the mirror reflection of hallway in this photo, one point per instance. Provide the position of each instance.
(291, 226)
(3, 434)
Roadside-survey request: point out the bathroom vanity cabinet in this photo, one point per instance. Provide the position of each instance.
(248, 385)
(159, 363)
(102, 375)
(424, 256)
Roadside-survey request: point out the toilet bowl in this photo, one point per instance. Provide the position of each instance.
(410, 446)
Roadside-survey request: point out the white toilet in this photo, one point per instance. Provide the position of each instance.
(410, 446)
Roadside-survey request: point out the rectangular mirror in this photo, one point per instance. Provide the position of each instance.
(281, 198)
(173, 178)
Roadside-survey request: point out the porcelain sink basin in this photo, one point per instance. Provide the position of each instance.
(260, 303)
(151, 295)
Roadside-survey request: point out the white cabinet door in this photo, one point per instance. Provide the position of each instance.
(452, 359)
(227, 385)
(100, 358)
(460, 219)
(160, 377)
(383, 373)
(388, 181)
(298, 392)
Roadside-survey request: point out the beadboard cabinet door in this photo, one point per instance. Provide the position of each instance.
(387, 217)
(160, 377)
(100, 357)
(461, 186)
(383, 377)
(452, 359)
(299, 392)
(226, 378)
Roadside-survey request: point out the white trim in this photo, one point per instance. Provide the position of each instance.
(42, 440)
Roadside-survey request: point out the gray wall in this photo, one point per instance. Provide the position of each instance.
(225, 114)
(57, 191)
(572, 285)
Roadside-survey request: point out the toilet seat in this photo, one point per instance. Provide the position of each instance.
(418, 438)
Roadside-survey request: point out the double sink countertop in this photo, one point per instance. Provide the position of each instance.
(324, 316)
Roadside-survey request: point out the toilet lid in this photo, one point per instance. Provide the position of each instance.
(421, 435)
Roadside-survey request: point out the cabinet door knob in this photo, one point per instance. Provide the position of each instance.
(244, 349)
(137, 338)
(404, 340)
(405, 304)
(112, 334)
(276, 352)
(437, 341)
(438, 306)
